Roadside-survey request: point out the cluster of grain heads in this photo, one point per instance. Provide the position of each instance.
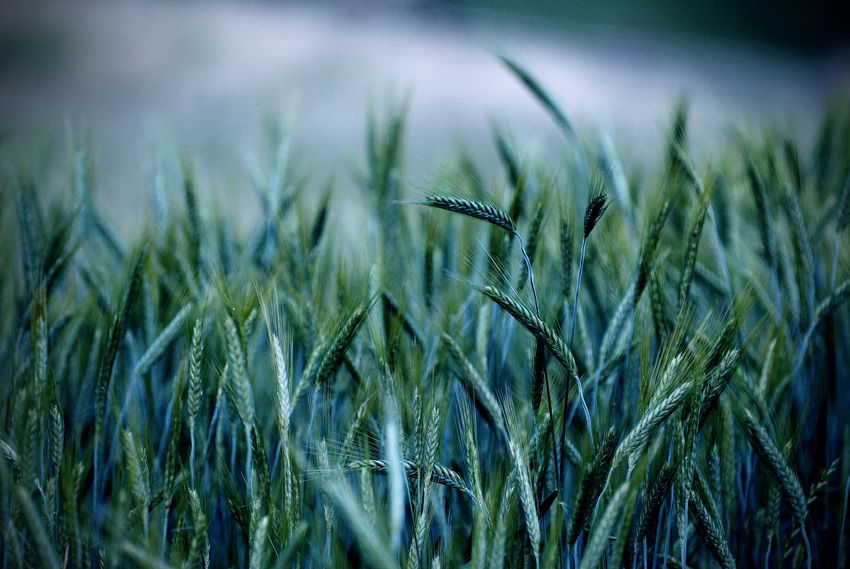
(459, 396)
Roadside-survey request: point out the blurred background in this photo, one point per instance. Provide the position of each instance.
(147, 78)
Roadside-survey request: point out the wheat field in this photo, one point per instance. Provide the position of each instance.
(559, 364)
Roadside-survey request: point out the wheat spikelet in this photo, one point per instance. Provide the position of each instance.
(239, 385)
(259, 460)
(174, 437)
(193, 402)
(475, 385)
(592, 484)
(649, 247)
(440, 474)
(533, 238)
(534, 325)
(711, 532)
(198, 522)
(822, 483)
(30, 456)
(677, 367)
(57, 437)
(658, 304)
(565, 243)
(717, 382)
(310, 368)
(602, 530)
(653, 499)
(766, 231)
(259, 545)
(597, 203)
(474, 209)
(497, 542)
(728, 466)
(804, 258)
(116, 333)
(416, 551)
(537, 90)
(432, 437)
(788, 483)
(471, 447)
(139, 482)
(622, 531)
(612, 332)
(693, 246)
(526, 495)
(686, 434)
(40, 350)
(158, 346)
(283, 406)
(327, 355)
(650, 421)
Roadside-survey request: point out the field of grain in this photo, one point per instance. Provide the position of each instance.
(572, 354)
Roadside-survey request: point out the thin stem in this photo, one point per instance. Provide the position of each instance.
(530, 274)
(843, 520)
(834, 271)
(545, 374)
(572, 335)
(667, 539)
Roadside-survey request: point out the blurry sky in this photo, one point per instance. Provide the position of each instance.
(201, 77)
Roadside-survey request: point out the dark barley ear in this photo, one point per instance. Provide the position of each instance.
(566, 250)
(596, 206)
